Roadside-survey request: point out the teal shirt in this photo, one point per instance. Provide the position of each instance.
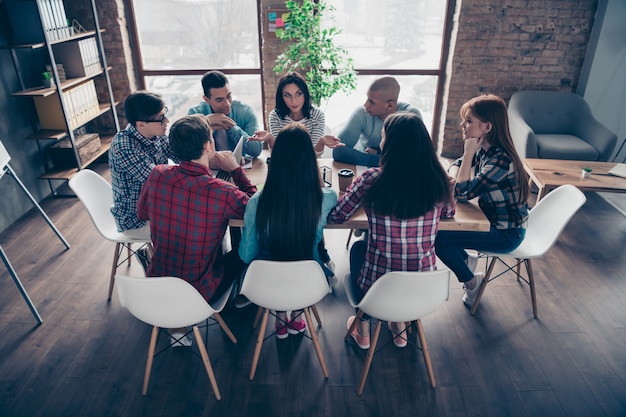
(249, 247)
(245, 117)
(363, 131)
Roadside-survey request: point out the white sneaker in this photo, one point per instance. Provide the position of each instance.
(180, 340)
(472, 261)
(470, 295)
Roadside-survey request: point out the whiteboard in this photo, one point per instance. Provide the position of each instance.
(4, 159)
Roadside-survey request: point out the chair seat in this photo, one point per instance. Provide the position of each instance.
(553, 146)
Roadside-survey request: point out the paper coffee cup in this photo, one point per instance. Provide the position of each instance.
(345, 178)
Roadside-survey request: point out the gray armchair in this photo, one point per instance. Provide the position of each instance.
(554, 125)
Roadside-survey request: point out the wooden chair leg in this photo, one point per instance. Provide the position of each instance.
(207, 362)
(218, 318)
(370, 356)
(531, 283)
(483, 285)
(151, 347)
(316, 342)
(116, 257)
(317, 315)
(426, 353)
(259, 343)
(259, 311)
(354, 323)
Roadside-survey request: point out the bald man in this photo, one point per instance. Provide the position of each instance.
(362, 132)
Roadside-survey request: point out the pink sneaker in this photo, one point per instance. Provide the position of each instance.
(363, 342)
(296, 326)
(281, 329)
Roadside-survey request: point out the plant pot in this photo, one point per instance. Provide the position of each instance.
(585, 174)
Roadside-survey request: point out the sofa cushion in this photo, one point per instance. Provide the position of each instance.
(554, 146)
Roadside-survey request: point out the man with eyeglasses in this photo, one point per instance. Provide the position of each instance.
(230, 119)
(135, 150)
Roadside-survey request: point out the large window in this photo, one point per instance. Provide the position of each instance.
(393, 37)
(181, 39)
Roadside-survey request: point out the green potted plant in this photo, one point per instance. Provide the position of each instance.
(311, 51)
(586, 173)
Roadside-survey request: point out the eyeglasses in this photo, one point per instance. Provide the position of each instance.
(160, 119)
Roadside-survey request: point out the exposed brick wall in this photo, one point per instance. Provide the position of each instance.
(510, 45)
(271, 48)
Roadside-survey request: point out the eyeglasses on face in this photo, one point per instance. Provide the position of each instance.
(160, 119)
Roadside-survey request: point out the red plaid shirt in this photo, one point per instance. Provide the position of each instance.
(189, 211)
(393, 244)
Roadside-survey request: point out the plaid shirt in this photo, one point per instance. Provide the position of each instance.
(188, 211)
(496, 186)
(393, 244)
(131, 158)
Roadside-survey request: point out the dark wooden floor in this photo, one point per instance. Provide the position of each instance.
(88, 356)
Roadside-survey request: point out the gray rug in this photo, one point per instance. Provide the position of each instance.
(617, 200)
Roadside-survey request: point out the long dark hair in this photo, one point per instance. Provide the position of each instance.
(412, 180)
(281, 106)
(291, 202)
(491, 108)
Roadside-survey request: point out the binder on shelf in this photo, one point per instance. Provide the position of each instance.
(78, 57)
(47, 19)
(58, 9)
(81, 105)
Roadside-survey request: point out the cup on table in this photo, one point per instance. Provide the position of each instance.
(327, 176)
(345, 179)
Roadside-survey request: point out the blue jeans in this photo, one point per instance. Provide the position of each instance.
(450, 246)
(357, 258)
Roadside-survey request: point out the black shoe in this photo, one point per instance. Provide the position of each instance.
(142, 255)
(241, 301)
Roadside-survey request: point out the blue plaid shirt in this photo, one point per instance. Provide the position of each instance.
(131, 159)
(495, 184)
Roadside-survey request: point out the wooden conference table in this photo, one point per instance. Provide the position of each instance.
(468, 216)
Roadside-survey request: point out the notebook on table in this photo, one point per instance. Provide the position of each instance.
(618, 170)
(238, 152)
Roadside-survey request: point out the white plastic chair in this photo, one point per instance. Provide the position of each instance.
(285, 286)
(96, 195)
(169, 302)
(546, 221)
(400, 296)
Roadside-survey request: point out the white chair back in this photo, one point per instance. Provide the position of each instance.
(284, 286)
(406, 296)
(165, 302)
(96, 195)
(547, 220)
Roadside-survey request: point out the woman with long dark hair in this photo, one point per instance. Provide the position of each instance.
(491, 170)
(293, 104)
(285, 221)
(404, 199)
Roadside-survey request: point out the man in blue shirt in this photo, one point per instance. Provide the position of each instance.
(230, 119)
(362, 132)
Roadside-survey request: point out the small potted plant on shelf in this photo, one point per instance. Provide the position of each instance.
(586, 173)
(46, 79)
